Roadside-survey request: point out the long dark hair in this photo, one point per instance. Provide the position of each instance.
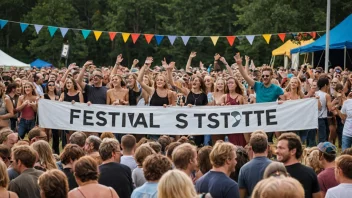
(202, 84)
(47, 88)
(75, 86)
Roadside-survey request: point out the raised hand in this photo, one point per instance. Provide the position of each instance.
(172, 65)
(201, 65)
(119, 59)
(246, 58)
(164, 63)
(88, 63)
(193, 54)
(149, 60)
(223, 60)
(72, 66)
(217, 56)
(238, 59)
(135, 61)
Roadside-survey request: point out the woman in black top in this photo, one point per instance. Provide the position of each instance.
(133, 90)
(195, 96)
(70, 94)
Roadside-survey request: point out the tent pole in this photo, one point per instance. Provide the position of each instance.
(327, 44)
(313, 59)
(344, 58)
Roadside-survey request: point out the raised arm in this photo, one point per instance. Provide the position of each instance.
(169, 69)
(247, 64)
(223, 60)
(146, 66)
(119, 59)
(80, 81)
(135, 62)
(188, 65)
(244, 74)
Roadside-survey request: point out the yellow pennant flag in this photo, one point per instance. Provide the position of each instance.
(97, 35)
(125, 36)
(267, 37)
(214, 39)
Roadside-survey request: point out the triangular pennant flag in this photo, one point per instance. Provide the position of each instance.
(23, 26)
(200, 38)
(135, 37)
(172, 39)
(38, 28)
(267, 38)
(231, 39)
(159, 38)
(63, 31)
(52, 30)
(85, 33)
(125, 36)
(148, 37)
(313, 34)
(250, 38)
(77, 32)
(112, 35)
(282, 36)
(97, 34)
(185, 39)
(3, 23)
(214, 39)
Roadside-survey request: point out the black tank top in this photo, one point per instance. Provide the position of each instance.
(156, 100)
(132, 97)
(68, 98)
(46, 96)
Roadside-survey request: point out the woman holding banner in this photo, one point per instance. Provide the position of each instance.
(117, 95)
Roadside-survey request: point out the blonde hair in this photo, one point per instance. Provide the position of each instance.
(313, 161)
(45, 154)
(216, 84)
(34, 93)
(4, 177)
(278, 187)
(288, 88)
(175, 184)
(221, 152)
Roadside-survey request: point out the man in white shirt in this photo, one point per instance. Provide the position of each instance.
(38, 81)
(343, 175)
(128, 144)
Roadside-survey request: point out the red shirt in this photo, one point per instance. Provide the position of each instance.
(327, 179)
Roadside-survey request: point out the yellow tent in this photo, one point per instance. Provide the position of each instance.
(286, 47)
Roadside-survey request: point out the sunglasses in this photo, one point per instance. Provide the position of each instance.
(26, 87)
(98, 76)
(265, 76)
(51, 85)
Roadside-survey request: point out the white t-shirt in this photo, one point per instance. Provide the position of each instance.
(343, 190)
(347, 109)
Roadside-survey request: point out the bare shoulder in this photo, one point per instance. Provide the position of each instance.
(13, 195)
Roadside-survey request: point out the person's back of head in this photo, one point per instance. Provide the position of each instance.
(347, 151)
(183, 155)
(4, 177)
(204, 160)
(107, 135)
(343, 168)
(155, 166)
(164, 141)
(34, 133)
(322, 82)
(71, 153)
(156, 146)
(176, 184)
(53, 184)
(275, 169)
(78, 138)
(170, 149)
(327, 152)
(259, 142)
(45, 154)
(25, 154)
(94, 143)
(128, 144)
(142, 152)
(278, 187)
(86, 169)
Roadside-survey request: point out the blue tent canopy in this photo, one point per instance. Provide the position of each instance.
(340, 38)
(40, 63)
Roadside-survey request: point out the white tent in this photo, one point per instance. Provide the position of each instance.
(8, 61)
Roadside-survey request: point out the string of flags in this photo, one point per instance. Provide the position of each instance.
(159, 38)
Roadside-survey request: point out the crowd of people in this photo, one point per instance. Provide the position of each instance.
(293, 164)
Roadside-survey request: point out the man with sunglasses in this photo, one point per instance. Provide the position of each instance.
(96, 93)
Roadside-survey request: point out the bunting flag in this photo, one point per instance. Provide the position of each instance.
(3, 23)
(148, 37)
(125, 36)
(214, 39)
(185, 39)
(23, 26)
(159, 38)
(282, 36)
(231, 39)
(112, 35)
(135, 37)
(200, 38)
(172, 39)
(267, 38)
(97, 34)
(250, 38)
(52, 30)
(38, 28)
(313, 34)
(85, 33)
(63, 31)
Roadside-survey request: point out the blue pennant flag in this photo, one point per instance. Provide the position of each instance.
(85, 33)
(38, 28)
(23, 26)
(159, 38)
(52, 30)
(2, 23)
(63, 31)
(185, 39)
(172, 39)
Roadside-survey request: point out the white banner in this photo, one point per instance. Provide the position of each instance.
(270, 117)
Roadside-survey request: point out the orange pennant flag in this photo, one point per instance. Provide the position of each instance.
(214, 39)
(231, 39)
(267, 37)
(313, 34)
(282, 36)
(135, 37)
(148, 37)
(112, 35)
(97, 35)
(125, 36)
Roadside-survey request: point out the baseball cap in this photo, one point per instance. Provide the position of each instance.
(327, 147)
